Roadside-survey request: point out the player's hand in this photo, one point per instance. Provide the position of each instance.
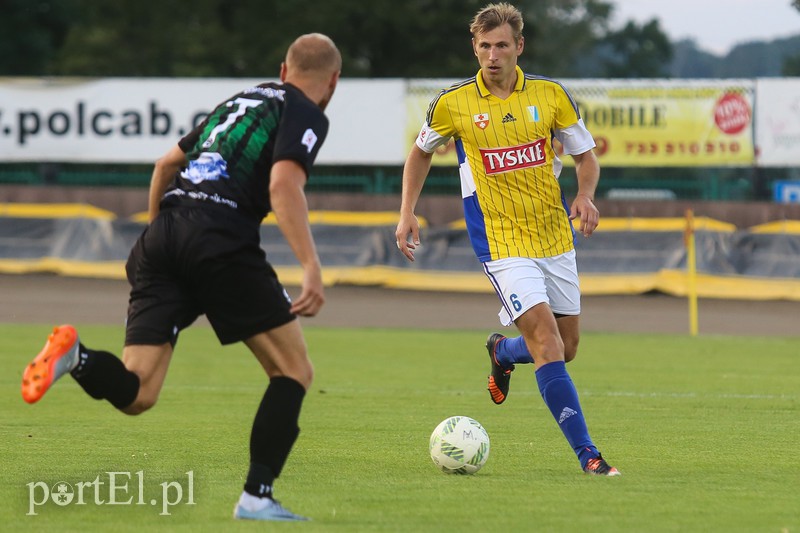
(312, 295)
(408, 225)
(584, 207)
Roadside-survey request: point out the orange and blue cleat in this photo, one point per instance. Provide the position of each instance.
(59, 356)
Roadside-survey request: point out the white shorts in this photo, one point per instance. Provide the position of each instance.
(523, 282)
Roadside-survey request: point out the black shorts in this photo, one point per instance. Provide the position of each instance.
(194, 261)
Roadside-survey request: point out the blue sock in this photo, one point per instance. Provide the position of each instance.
(513, 350)
(561, 398)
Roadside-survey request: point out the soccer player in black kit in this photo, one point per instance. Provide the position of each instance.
(201, 254)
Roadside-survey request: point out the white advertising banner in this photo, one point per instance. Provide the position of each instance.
(777, 122)
(124, 120)
(373, 122)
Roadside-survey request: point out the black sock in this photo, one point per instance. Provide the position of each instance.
(104, 377)
(274, 433)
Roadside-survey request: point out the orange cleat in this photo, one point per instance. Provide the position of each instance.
(599, 467)
(499, 377)
(59, 356)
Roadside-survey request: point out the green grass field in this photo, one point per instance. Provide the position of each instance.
(704, 430)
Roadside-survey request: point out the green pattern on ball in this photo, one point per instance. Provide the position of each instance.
(477, 459)
(450, 425)
(451, 451)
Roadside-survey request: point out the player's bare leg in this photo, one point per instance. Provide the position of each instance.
(540, 330)
(150, 363)
(283, 352)
(131, 385)
(569, 330)
(539, 327)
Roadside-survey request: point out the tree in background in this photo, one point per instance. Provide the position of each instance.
(248, 38)
(131, 38)
(688, 61)
(381, 38)
(635, 52)
(560, 33)
(33, 31)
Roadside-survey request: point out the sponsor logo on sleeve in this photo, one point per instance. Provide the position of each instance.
(309, 139)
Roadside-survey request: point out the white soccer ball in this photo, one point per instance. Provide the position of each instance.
(459, 445)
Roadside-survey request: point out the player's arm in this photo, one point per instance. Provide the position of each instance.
(578, 142)
(435, 132)
(288, 199)
(163, 173)
(587, 170)
(416, 169)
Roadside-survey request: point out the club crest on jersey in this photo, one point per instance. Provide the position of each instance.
(533, 113)
(481, 120)
(499, 160)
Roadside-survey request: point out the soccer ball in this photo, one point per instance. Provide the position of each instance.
(459, 445)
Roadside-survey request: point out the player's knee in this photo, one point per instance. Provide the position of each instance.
(549, 347)
(305, 375)
(570, 349)
(570, 354)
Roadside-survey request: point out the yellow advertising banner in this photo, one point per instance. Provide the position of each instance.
(645, 123)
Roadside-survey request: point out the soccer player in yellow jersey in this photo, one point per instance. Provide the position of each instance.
(503, 122)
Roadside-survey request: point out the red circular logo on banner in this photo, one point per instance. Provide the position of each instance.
(732, 113)
(602, 146)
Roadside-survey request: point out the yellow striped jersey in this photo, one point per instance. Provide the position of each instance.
(513, 204)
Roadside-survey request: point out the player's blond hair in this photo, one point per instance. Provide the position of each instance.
(495, 15)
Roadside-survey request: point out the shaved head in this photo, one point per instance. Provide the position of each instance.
(313, 64)
(313, 54)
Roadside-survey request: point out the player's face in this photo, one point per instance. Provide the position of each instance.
(497, 53)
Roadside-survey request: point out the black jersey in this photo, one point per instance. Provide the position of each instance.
(232, 151)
